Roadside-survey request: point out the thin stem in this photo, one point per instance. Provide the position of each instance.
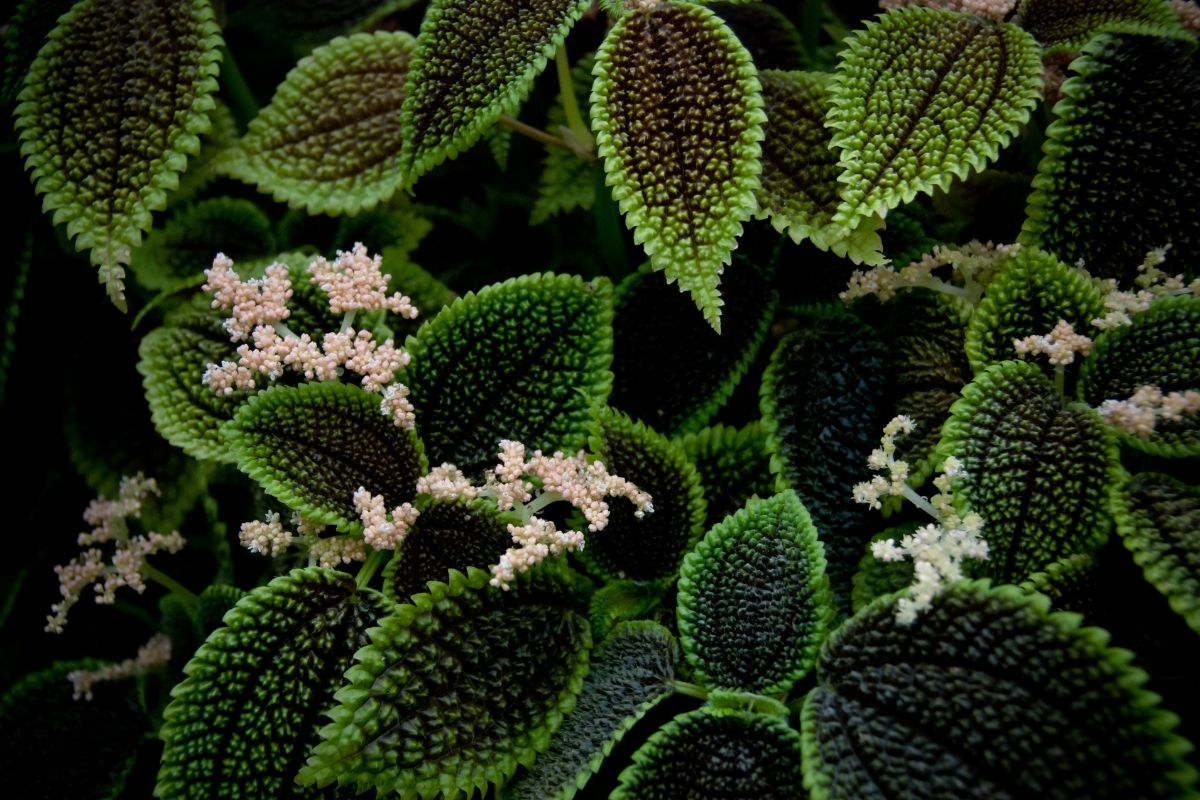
(370, 567)
(241, 99)
(185, 595)
(542, 500)
(566, 89)
(534, 133)
(690, 689)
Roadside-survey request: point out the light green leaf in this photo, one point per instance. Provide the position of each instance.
(680, 143)
(568, 181)
(922, 97)
(475, 60)
(1067, 25)
(329, 140)
(241, 724)
(215, 145)
(109, 114)
(734, 465)
(458, 689)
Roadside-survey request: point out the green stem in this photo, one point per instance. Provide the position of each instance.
(367, 571)
(541, 501)
(690, 689)
(237, 91)
(536, 134)
(185, 595)
(566, 89)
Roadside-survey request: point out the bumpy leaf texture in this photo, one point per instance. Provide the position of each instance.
(716, 753)
(525, 359)
(242, 722)
(1120, 176)
(622, 601)
(1160, 524)
(313, 446)
(457, 689)
(766, 32)
(1067, 25)
(27, 30)
(985, 696)
(629, 674)
(677, 113)
(650, 548)
(475, 60)
(1161, 348)
(109, 114)
(1037, 472)
(734, 465)
(330, 138)
(923, 96)
(202, 170)
(754, 600)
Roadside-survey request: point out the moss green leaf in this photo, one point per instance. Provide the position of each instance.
(313, 446)
(568, 182)
(670, 368)
(1160, 348)
(621, 601)
(242, 722)
(330, 138)
(923, 96)
(458, 689)
(629, 674)
(734, 465)
(1067, 25)
(26, 33)
(766, 32)
(754, 600)
(652, 547)
(716, 753)
(677, 112)
(875, 577)
(220, 139)
(109, 115)
(985, 695)
(1037, 472)
(1098, 200)
(525, 359)
(475, 60)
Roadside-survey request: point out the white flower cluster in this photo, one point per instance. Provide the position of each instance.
(1140, 413)
(1152, 282)
(1059, 346)
(153, 655)
(973, 264)
(380, 531)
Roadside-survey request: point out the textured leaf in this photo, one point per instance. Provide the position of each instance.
(876, 578)
(243, 720)
(329, 140)
(26, 33)
(677, 112)
(652, 547)
(457, 689)
(1160, 524)
(448, 535)
(1067, 25)
(1033, 291)
(215, 145)
(629, 674)
(397, 227)
(475, 60)
(764, 30)
(734, 465)
(800, 188)
(525, 359)
(670, 368)
(754, 600)
(1037, 472)
(1095, 197)
(313, 446)
(1073, 584)
(109, 114)
(823, 405)
(312, 22)
(923, 96)
(621, 601)
(986, 695)
(184, 410)
(716, 753)
(1161, 348)
(568, 181)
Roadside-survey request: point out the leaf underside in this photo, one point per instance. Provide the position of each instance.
(734, 465)
(110, 112)
(1067, 25)
(1016, 703)
(677, 113)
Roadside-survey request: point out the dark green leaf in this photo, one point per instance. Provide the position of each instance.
(215, 603)
(568, 181)
(764, 30)
(1073, 584)
(243, 720)
(26, 33)
(215, 145)
(12, 292)
(734, 465)
(312, 22)
(621, 601)
(875, 577)
(1066, 25)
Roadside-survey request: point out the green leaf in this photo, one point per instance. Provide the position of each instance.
(1073, 584)
(329, 140)
(1033, 291)
(670, 368)
(1037, 472)
(215, 145)
(924, 96)
(242, 722)
(621, 601)
(52, 745)
(766, 32)
(109, 115)
(754, 600)
(650, 548)
(986, 695)
(185, 246)
(12, 293)
(448, 535)
(313, 446)
(629, 674)
(734, 465)
(525, 359)
(307, 23)
(716, 753)
(184, 410)
(27, 30)
(568, 181)
(800, 188)
(215, 602)
(1067, 25)
(396, 227)
(677, 113)
(875, 577)
(475, 60)
(1159, 521)
(458, 689)
(1098, 200)
(1161, 348)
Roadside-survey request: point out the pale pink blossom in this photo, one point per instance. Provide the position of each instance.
(152, 656)
(355, 281)
(381, 530)
(1059, 346)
